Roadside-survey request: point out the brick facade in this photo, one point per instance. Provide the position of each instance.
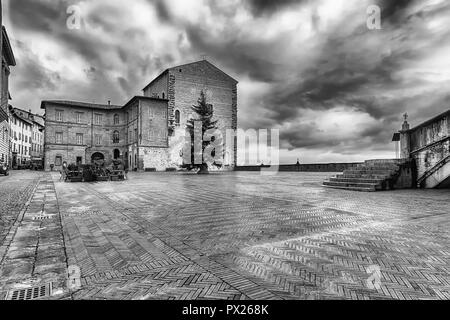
(183, 85)
(78, 132)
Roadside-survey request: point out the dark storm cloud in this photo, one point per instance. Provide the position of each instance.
(37, 76)
(125, 85)
(37, 16)
(393, 10)
(374, 75)
(267, 7)
(241, 55)
(163, 11)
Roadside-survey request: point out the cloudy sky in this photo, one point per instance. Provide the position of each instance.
(335, 89)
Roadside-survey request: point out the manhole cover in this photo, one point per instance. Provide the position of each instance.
(30, 293)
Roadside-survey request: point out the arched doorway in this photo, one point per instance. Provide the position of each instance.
(97, 156)
(116, 154)
(126, 160)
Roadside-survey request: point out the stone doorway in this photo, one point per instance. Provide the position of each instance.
(116, 154)
(98, 156)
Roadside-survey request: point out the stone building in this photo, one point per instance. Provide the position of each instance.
(147, 133)
(21, 130)
(182, 85)
(428, 144)
(8, 60)
(27, 136)
(37, 138)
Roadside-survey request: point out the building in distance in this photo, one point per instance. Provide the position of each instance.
(27, 137)
(148, 132)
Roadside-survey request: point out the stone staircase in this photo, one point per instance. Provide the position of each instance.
(372, 175)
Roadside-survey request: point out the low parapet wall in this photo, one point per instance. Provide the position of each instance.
(314, 167)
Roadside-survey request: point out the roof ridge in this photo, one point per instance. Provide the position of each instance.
(187, 64)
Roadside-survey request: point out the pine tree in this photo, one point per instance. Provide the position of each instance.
(204, 113)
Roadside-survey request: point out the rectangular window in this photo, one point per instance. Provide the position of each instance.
(59, 137)
(79, 138)
(98, 119)
(58, 161)
(98, 139)
(135, 134)
(59, 115)
(79, 116)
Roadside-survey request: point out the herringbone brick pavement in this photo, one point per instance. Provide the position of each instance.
(247, 236)
(154, 236)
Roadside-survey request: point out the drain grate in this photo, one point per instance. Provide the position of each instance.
(43, 217)
(31, 293)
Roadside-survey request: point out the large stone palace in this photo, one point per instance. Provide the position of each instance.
(148, 132)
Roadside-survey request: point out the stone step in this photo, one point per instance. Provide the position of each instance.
(363, 185)
(352, 180)
(364, 176)
(365, 167)
(373, 175)
(372, 172)
(350, 188)
(385, 162)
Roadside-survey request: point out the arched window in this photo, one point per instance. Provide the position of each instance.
(116, 137)
(116, 119)
(163, 95)
(177, 118)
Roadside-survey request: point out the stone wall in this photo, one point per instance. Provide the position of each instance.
(158, 88)
(220, 91)
(430, 143)
(315, 167)
(154, 158)
(153, 124)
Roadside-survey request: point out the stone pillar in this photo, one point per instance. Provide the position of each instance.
(405, 140)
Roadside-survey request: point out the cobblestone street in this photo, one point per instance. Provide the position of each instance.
(222, 236)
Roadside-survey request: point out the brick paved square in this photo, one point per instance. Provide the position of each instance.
(227, 236)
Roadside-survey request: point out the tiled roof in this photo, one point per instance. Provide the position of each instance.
(80, 104)
(94, 105)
